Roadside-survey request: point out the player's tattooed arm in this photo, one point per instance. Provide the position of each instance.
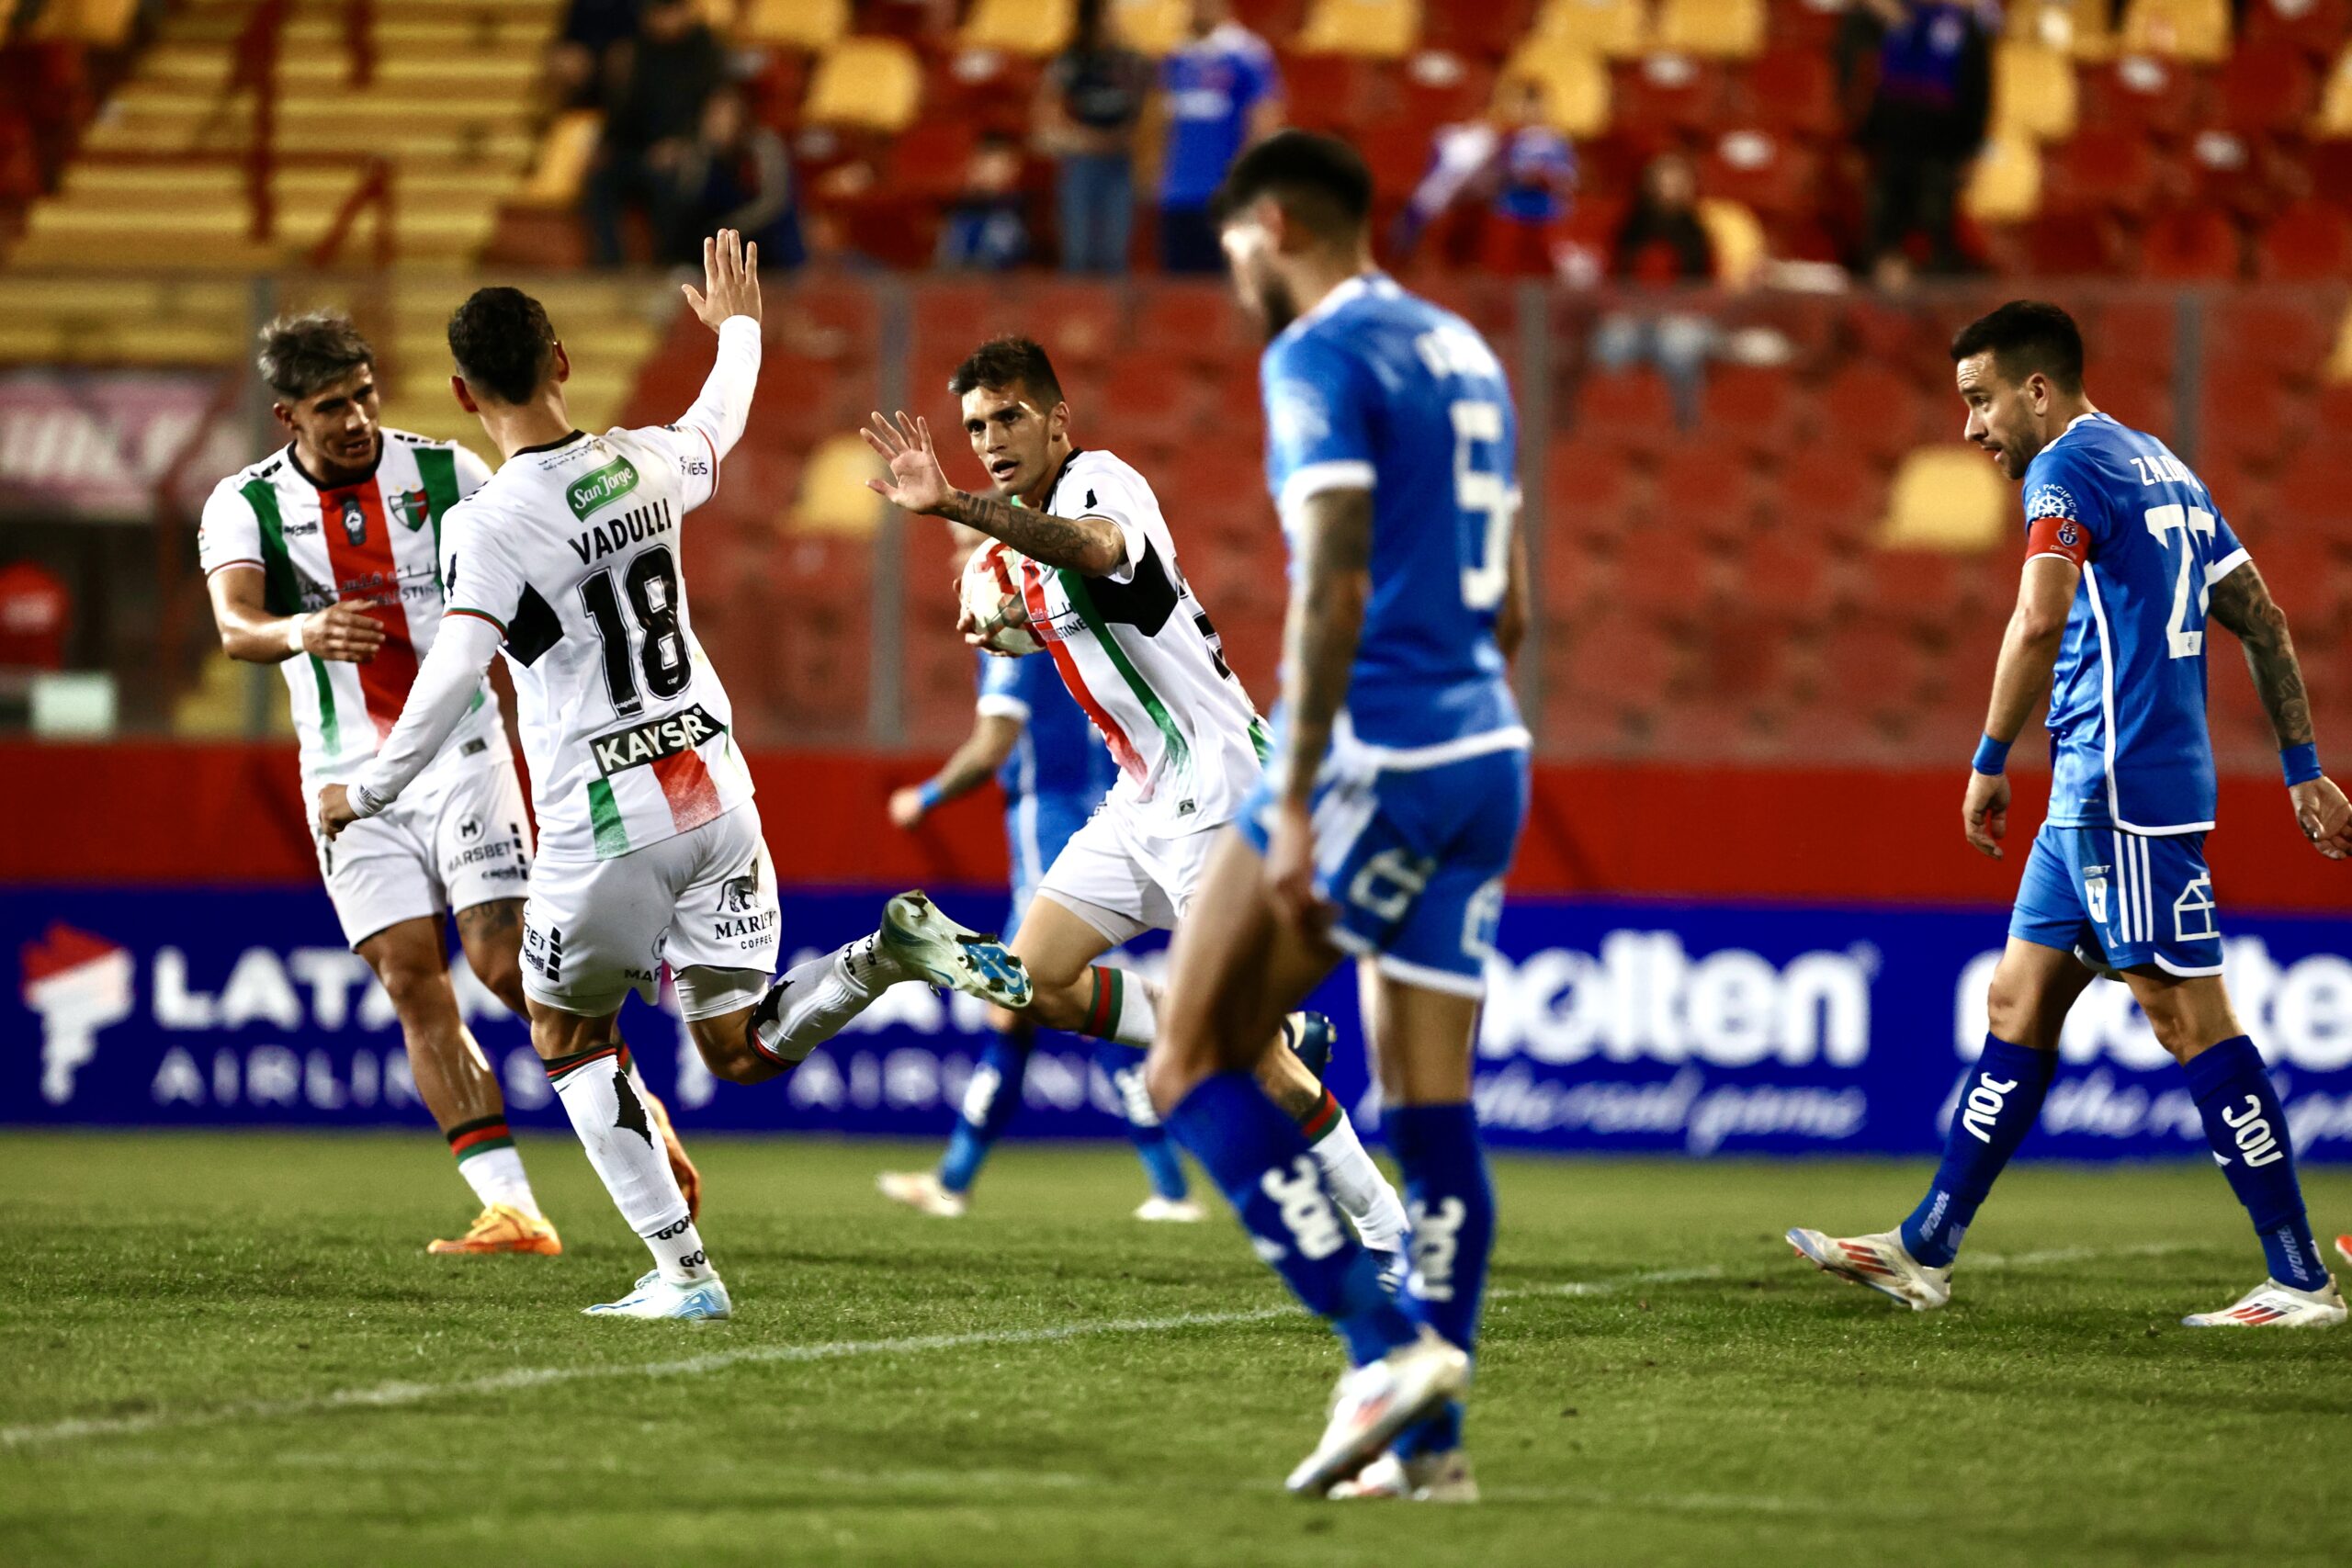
(2241, 602)
(1090, 545)
(1324, 625)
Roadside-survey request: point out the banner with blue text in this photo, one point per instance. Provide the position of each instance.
(1619, 1026)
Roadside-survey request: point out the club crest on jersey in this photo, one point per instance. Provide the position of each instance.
(2069, 535)
(592, 492)
(412, 507)
(355, 520)
(2095, 891)
(654, 739)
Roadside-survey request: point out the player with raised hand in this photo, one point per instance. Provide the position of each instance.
(1390, 812)
(649, 842)
(2126, 559)
(321, 559)
(1104, 594)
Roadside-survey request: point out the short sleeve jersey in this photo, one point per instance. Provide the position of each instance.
(1058, 757)
(2130, 746)
(373, 542)
(1378, 390)
(571, 550)
(1210, 85)
(1143, 660)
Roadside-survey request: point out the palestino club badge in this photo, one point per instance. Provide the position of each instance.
(413, 507)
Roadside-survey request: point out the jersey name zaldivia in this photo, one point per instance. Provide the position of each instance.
(373, 542)
(1143, 659)
(572, 551)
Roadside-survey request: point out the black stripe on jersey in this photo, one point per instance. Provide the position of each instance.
(536, 629)
(1144, 602)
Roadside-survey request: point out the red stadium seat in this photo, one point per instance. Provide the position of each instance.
(1776, 178)
(2244, 419)
(1623, 661)
(2266, 90)
(2101, 168)
(2133, 338)
(2142, 403)
(1588, 491)
(2281, 333)
(1793, 90)
(1755, 409)
(1783, 573)
(1633, 408)
(1874, 669)
(2315, 27)
(1662, 97)
(1332, 92)
(1704, 491)
(2198, 246)
(1808, 24)
(2140, 95)
(1199, 321)
(2309, 243)
(1668, 575)
(1484, 33)
(2073, 244)
(1920, 589)
(1869, 409)
(1079, 323)
(1840, 492)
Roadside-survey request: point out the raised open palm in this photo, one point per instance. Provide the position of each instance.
(917, 482)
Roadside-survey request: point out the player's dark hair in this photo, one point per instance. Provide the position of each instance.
(1320, 179)
(502, 344)
(303, 354)
(1008, 361)
(2024, 336)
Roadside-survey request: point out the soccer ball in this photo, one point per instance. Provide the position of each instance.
(992, 600)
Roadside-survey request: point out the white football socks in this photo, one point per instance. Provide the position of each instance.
(496, 1176)
(627, 1153)
(1133, 1004)
(815, 1000)
(1360, 1190)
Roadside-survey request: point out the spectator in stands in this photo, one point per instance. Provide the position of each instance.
(987, 229)
(1219, 92)
(737, 176)
(652, 114)
(1088, 107)
(1929, 104)
(1516, 162)
(588, 48)
(1662, 242)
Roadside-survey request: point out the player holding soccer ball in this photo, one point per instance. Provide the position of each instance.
(650, 843)
(1390, 812)
(321, 559)
(2126, 559)
(1098, 575)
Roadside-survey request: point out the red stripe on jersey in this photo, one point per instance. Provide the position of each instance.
(691, 792)
(1123, 750)
(2058, 536)
(366, 573)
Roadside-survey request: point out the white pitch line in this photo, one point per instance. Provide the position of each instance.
(392, 1394)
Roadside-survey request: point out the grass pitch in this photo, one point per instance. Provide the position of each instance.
(232, 1350)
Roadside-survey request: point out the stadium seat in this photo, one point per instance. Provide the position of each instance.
(2142, 403)
(2334, 117)
(1590, 498)
(2102, 168)
(2309, 243)
(1631, 407)
(2267, 90)
(1198, 321)
(1330, 91)
(2194, 30)
(1615, 29)
(99, 24)
(1874, 669)
(1151, 27)
(1713, 30)
(1921, 590)
(1577, 99)
(1377, 29)
(2314, 27)
(833, 498)
(2198, 246)
(1783, 573)
(810, 27)
(2142, 95)
(1740, 245)
(1040, 28)
(2283, 334)
(872, 84)
(2133, 338)
(1622, 661)
(2033, 91)
(1667, 575)
(1946, 498)
(1775, 178)
(1661, 99)
(1795, 92)
(561, 162)
(1870, 410)
(1755, 410)
(2005, 182)
(1704, 491)
(1482, 33)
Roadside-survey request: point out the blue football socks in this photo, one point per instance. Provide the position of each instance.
(1122, 1066)
(1999, 1101)
(1452, 1206)
(2247, 1128)
(989, 1102)
(1260, 1160)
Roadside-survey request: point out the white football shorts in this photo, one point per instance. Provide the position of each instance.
(596, 929)
(458, 837)
(1123, 879)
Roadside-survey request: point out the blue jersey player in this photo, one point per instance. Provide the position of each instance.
(2127, 560)
(1054, 773)
(1390, 810)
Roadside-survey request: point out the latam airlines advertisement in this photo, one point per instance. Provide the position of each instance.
(1715, 1029)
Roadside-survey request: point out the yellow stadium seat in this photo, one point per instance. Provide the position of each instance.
(1150, 27)
(2005, 185)
(1738, 240)
(810, 26)
(565, 153)
(1946, 498)
(1019, 27)
(833, 498)
(1377, 29)
(2033, 91)
(2194, 30)
(2080, 29)
(2334, 117)
(1618, 29)
(1575, 84)
(2340, 364)
(1711, 29)
(874, 83)
(103, 24)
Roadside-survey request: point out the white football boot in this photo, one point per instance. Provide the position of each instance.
(921, 1190)
(935, 949)
(1432, 1478)
(699, 1300)
(2273, 1305)
(1156, 1210)
(1376, 1401)
(1879, 1261)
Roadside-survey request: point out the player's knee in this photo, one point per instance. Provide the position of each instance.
(417, 990)
(1169, 1077)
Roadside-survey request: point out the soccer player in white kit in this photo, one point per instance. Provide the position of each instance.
(321, 559)
(650, 845)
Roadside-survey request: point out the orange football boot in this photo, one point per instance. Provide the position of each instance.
(502, 1227)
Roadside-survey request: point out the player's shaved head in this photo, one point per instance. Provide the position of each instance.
(502, 344)
(1320, 182)
(1007, 363)
(2026, 337)
(303, 356)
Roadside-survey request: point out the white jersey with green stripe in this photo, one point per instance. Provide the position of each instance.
(572, 551)
(375, 541)
(1143, 659)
